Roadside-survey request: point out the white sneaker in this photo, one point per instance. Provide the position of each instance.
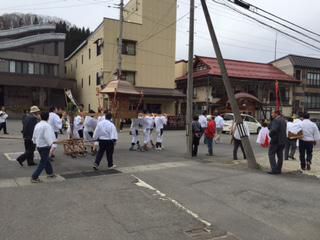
(113, 166)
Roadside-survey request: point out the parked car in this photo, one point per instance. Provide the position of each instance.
(253, 124)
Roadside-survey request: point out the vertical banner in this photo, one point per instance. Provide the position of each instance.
(277, 96)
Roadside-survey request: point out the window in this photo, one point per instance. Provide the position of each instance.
(284, 95)
(128, 47)
(313, 79)
(55, 70)
(194, 92)
(312, 101)
(81, 59)
(98, 79)
(24, 67)
(82, 83)
(18, 67)
(200, 66)
(12, 66)
(89, 80)
(31, 68)
(298, 74)
(89, 53)
(129, 76)
(41, 69)
(65, 70)
(56, 48)
(99, 45)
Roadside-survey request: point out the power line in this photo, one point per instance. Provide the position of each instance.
(265, 24)
(282, 19)
(281, 24)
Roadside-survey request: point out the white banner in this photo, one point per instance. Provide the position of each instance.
(70, 96)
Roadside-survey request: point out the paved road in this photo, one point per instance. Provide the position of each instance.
(157, 195)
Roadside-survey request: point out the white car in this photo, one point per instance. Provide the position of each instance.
(253, 124)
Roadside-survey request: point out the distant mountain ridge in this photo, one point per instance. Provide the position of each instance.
(14, 20)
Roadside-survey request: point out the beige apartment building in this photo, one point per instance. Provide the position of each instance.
(148, 53)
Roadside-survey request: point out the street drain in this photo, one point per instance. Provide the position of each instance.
(90, 174)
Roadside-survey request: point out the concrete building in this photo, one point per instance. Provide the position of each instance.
(148, 52)
(306, 96)
(32, 67)
(253, 83)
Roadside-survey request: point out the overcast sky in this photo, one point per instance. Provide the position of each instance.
(239, 37)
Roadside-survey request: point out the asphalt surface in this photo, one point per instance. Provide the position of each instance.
(156, 195)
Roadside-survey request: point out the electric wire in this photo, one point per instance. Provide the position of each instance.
(272, 27)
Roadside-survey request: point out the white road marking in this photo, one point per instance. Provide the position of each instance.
(13, 155)
(163, 196)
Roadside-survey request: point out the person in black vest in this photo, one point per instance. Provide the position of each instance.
(29, 123)
(278, 135)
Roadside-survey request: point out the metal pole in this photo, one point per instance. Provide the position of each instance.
(190, 82)
(234, 105)
(119, 71)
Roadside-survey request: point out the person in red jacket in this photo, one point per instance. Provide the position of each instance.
(210, 133)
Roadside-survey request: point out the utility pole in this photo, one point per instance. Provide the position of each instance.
(119, 71)
(234, 105)
(190, 82)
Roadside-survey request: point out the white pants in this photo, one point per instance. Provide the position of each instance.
(134, 134)
(159, 135)
(146, 136)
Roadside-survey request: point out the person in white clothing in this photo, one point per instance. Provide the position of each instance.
(293, 131)
(56, 123)
(3, 120)
(237, 139)
(106, 134)
(78, 126)
(219, 125)
(263, 138)
(134, 132)
(90, 123)
(147, 125)
(160, 122)
(203, 123)
(43, 137)
(310, 137)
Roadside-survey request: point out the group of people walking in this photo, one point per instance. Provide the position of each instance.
(208, 126)
(286, 135)
(40, 131)
(147, 123)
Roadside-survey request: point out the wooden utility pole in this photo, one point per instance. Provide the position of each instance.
(119, 71)
(190, 81)
(234, 105)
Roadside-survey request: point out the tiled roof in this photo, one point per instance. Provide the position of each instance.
(301, 61)
(161, 92)
(242, 70)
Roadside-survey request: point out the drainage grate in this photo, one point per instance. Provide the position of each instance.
(90, 174)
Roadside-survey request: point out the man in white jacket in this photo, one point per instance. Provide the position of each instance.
(56, 123)
(43, 137)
